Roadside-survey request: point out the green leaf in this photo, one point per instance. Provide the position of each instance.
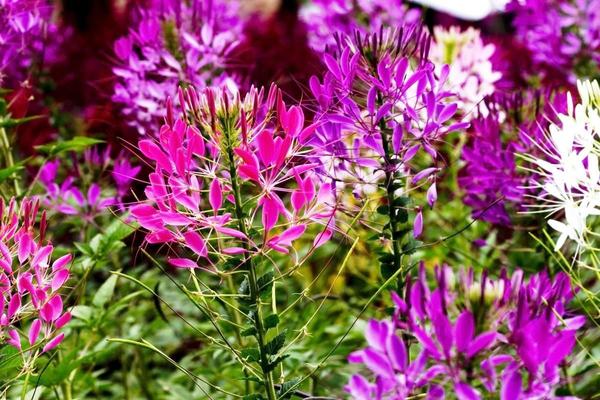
(10, 362)
(275, 344)
(251, 354)
(271, 321)
(57, 373)
(383, 210)
(84, 313)
(6, 173)
(249, 331)
(254, 396)
(78, 143)
(265, 282)
(119, 230)
(285, 387)
(271, 366)
(105, 292)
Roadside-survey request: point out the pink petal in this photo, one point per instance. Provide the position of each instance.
(15, 340)
(215, 196)
(182, 263)
(153, 152)
(13, 305)
(53, 343)
(196, 243)
(292, 121)
(59, 279)
(34, 331)
(61, 262)
(62, 320)
(266, 146)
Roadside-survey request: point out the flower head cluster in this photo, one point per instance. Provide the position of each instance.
(30, 302)
(471, 75)
(568, 176)
(174, 43)
(466, 332)
(77, 189)
(24, 25)
(494, 184)
(563, 36)
(237, 173)
(381, 103)
(326, 18)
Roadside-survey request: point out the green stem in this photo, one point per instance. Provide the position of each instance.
(238, 336)
(8, 157)
(253, 282)
(25, 382)
(390, 176)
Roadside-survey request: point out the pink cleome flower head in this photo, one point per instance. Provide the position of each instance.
(233, 163)
(30, 302)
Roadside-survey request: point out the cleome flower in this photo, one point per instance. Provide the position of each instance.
(236, 162)
(563, 36)
(24, 25)
(380, 104)
(31, 306)
(172, 43)
(568, 187)
(326, 18)
(466, 332)
(471, 76)
(78, 188)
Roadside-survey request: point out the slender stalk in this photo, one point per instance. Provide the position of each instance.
(252, 280)
(238, 336)
(8, 157)
(25, 383)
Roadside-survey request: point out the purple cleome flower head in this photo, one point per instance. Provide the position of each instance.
(490, 177)
(505, 336)
(24, 25)
(380, 104)
(29, 282)
(325, 18)
(563, 36)
(68, 193)
(494, 185)
(173, 43)
(231, 151)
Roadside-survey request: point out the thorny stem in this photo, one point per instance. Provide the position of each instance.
(252, 280)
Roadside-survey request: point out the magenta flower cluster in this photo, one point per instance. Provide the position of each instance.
(24, 26)
(30, 283)
(327, 18)
(172, 43)
(257, 143)
(563, 36)
(505, 336)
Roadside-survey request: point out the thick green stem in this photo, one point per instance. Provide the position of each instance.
(390, 176)
(253, 282)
